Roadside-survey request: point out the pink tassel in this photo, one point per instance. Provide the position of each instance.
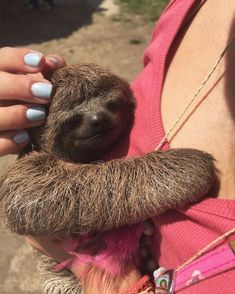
(119, 249)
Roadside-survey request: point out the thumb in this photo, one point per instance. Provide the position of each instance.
(53, 62)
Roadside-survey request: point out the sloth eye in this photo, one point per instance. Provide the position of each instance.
(72, 123)
(75, 122)
(115, 105)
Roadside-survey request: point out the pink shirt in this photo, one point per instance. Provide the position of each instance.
(179, 234)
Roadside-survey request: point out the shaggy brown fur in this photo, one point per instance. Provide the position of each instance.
(52, 191)
(90, 111)
(41, 194)
(63, 282)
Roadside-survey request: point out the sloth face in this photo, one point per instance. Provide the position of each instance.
(85, 135)
(91, 110)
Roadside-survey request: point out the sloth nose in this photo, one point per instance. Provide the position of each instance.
(98, 119)
(95, 118)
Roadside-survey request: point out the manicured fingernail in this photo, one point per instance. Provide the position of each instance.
(42, 90)
(21, 138)
(36, 113)
(32, 59)
(55, 61)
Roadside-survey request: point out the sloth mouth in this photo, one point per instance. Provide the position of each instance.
(98, 134)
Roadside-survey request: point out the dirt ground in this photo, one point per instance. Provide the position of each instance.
(81, 31)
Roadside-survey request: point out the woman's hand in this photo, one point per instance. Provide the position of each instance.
(48, 247)
(51, 248)
(23, 93)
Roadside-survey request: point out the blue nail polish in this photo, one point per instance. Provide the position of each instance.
(36, 113)
(32, 59)
(42, 90)
(21, 138)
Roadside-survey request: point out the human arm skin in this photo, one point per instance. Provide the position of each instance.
(42, 195)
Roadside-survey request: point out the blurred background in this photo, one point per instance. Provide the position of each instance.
(112, 33)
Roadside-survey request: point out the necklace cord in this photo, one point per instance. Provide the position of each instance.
(212, 244)
(208, 77)
(207, 248)
(163, 141)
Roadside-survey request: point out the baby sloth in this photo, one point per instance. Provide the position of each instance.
(62, 189)
(91, 110)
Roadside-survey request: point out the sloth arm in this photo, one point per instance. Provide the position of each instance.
(42, 195)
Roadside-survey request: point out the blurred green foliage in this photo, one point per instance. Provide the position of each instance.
(150, 9)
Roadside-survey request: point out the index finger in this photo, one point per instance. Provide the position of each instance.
(23, 60)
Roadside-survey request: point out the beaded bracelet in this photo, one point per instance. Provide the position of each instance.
(143, 286)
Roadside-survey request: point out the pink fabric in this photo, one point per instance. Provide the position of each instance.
(119, 249)
(218, 260)
(179, 234)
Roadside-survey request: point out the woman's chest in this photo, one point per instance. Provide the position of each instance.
(191, 59)
(208, 123)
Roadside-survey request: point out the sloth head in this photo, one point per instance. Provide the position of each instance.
(91, 109)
